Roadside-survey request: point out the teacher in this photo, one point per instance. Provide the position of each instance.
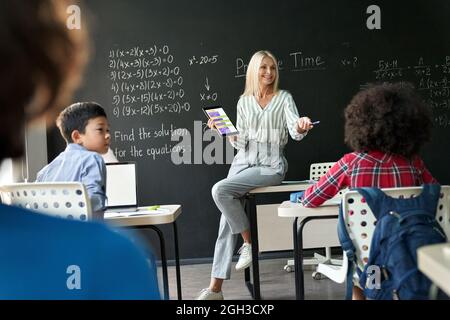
(265, 115)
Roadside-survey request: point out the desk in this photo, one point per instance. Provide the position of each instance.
(329, 210)
(250, 208)
(150, 221)
(434, 262)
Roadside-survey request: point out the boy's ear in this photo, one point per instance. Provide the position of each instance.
(76, 136)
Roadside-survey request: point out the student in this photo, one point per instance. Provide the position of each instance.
(386, 125)
(266, 116)
(43, 257)
(85, 128)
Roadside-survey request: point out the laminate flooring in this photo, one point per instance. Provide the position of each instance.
(276, 283)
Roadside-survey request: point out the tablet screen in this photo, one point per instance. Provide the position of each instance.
(222, 122)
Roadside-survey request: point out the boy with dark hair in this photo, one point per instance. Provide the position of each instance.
(85, 128)
(386, 125)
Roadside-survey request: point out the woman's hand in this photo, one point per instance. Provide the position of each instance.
(304, 124)
(211, 124)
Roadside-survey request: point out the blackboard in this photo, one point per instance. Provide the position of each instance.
(156, 63)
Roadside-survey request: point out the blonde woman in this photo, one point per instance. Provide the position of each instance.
(265, 116)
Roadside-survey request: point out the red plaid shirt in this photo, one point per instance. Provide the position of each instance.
(373, 169)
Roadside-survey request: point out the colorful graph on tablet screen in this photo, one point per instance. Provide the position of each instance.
(221, 121)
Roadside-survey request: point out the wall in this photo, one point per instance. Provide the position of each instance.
(157, 63)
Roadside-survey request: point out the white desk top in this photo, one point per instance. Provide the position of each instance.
(167, 214)
(285, 187)
(434, 262)
(291, 210)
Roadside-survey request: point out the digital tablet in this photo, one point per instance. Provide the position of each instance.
(222, 123)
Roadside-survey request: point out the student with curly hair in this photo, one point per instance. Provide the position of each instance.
(386, 125)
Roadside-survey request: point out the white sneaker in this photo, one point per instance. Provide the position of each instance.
(245, 259)
(207, 294)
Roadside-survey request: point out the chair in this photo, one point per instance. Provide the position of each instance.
(61, 199)
(316, 171)
(360, 224)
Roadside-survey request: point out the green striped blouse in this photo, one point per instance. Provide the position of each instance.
(267, 125)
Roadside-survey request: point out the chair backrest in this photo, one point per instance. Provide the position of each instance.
(360, 221)
(317, 170)
(61, 199)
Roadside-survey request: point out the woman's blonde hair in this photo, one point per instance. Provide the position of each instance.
(252, 80)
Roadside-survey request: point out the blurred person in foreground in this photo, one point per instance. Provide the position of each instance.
(44, 257)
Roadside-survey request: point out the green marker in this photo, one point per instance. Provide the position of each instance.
(153, 208)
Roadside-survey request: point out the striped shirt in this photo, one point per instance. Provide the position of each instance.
(263, 132)
(270, 124)
(372, 169)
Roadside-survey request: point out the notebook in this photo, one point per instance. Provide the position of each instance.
(121, 187)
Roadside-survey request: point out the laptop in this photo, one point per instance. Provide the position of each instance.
(121, 187)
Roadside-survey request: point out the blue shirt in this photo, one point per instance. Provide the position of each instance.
(76, 163)
(43, 257)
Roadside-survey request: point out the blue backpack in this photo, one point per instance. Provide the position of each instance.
(403, 226)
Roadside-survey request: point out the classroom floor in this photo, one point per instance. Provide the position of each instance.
(276, 283)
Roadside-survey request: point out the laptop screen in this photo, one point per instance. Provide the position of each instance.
(121, 187)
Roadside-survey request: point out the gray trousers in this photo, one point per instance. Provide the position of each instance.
(228, 195)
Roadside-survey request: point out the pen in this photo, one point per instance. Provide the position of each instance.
(153, 208)
(315, 122)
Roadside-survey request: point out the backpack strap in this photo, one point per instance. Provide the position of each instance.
(349, 249)
(374, 198)
(430, 196)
